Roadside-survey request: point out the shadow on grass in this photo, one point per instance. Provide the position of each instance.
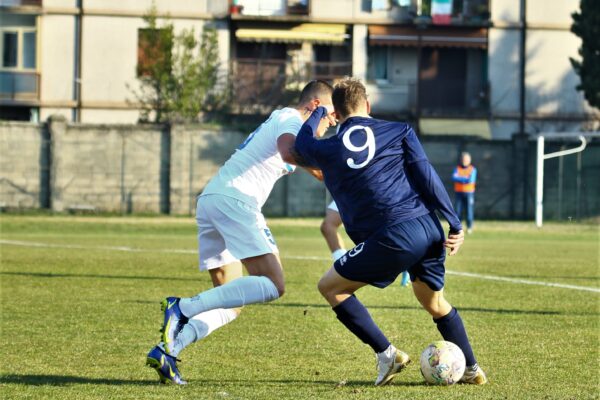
(86, 276)
(61, 380)
(473, 309)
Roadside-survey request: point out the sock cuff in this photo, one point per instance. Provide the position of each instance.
(446, 317)
(344, 305)
(267, 285)
(339, 253)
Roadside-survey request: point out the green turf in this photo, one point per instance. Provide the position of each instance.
(76, 323)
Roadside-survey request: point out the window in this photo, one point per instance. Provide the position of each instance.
(380, 5)
(18, 48)
(377, 68)
(29, 50)
(10, 47)
(154, 51)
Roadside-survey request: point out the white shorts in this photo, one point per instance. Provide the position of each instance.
(230, 230)
(333, 206)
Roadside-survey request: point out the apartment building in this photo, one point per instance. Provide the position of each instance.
(78, 58)
(448, 66)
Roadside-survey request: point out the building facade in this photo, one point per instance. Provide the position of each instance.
(448, 66)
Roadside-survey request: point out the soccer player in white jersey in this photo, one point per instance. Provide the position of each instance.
(231, 228)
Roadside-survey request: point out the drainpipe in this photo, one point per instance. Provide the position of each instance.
(77, 70)
(522, 87)
(522, 62)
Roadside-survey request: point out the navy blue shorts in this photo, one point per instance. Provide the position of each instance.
(416, 245)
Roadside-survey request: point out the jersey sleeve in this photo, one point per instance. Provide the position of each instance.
(288, 124)
(427, 182)
(307, 146)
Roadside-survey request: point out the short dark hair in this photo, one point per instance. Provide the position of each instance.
(316, 89)
(348, 95)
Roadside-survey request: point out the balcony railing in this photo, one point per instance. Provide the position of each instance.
(20, 3)
(19, 85)
(270, 83)
(270, 7)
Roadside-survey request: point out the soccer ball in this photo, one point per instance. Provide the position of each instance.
(442, 363)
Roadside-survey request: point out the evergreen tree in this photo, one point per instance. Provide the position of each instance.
(586, 25)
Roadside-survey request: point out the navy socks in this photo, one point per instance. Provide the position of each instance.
(452, 329)
(353, 314)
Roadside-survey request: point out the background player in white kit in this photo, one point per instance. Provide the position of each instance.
(231, 227)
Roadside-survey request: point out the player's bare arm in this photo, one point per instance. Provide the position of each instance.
(285, 145)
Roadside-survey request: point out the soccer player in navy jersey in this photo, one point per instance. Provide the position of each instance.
(387, 193)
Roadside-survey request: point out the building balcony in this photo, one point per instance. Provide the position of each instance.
(261, 84)
(269, 8)
(20, 3)
(17, 86)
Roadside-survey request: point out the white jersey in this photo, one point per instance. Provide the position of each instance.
(251, 172)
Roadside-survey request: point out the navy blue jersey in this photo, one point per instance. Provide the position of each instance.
(377, 173)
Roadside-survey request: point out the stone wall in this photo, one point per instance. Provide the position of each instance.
(152, 169)
(22, 146)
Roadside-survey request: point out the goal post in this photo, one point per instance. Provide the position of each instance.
(541, 157)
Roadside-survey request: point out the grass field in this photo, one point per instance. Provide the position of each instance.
(80, 310)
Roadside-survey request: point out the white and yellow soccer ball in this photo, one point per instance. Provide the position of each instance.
(442, 363)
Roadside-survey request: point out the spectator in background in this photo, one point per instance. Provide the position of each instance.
(464, 177)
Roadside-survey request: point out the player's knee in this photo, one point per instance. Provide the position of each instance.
(325, 227)
(280, 286)
(438, 308)
(326, 289)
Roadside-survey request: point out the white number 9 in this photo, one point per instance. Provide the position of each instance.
(369, 144)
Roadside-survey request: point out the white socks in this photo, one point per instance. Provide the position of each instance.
(234, 294)
(336, 255)
(200, 327)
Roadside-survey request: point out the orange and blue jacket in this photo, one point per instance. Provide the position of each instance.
(464, 179)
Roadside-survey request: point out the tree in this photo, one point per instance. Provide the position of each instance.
(177, 73)
(586, 25)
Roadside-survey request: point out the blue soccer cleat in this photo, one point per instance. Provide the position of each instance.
(174, 320)
(165, 366)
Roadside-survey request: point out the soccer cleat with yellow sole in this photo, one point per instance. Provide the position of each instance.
(474, 375)
(388, 369)
(165, 366)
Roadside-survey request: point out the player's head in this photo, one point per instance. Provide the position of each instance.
(316, 93)
(350, 98)
(465, 159)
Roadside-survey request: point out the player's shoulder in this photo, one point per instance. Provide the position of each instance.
(382, 126)
(287, 114)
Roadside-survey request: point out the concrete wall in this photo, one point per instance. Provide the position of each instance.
(20, 165)
(196, 155)
(105, 167)
(132, 168)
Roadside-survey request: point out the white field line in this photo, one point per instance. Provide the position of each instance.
(313, 258)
